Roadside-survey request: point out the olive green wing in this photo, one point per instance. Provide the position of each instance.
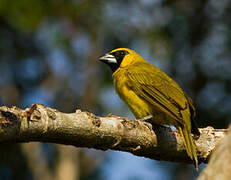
(156, 87)
(194, 127)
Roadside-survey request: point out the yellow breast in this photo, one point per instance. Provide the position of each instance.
(139, 107)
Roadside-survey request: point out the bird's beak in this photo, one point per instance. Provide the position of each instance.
(108, 58)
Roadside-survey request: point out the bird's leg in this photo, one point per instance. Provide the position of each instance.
(146, 118)
(146, 121)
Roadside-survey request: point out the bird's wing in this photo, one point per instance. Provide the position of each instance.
(156, 87)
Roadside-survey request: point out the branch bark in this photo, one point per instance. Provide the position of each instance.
(84, 129)
(220, 163)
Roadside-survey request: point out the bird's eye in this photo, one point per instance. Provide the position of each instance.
(119, 54)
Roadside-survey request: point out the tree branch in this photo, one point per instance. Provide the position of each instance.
(220, 162)
(84, 129)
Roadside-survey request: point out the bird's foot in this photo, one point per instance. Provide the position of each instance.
(149, 125)
(146, 118)
(146, 121)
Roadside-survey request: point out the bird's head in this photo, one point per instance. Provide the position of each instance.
(121, 57)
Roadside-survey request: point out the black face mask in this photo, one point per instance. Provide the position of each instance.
(119, 55)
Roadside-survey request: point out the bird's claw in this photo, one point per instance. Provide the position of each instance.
(146, 121)
(146, 118)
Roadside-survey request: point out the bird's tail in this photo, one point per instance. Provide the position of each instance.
(189, 144)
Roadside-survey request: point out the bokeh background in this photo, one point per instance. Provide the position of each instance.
(48, 55)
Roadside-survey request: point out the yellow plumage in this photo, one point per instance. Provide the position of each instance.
(149, 91)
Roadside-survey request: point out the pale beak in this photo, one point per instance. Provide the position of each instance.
(108, 58)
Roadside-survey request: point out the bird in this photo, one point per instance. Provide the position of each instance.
(147, 90)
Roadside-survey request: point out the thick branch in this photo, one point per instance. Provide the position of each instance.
(220, 162)
(84, 129)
